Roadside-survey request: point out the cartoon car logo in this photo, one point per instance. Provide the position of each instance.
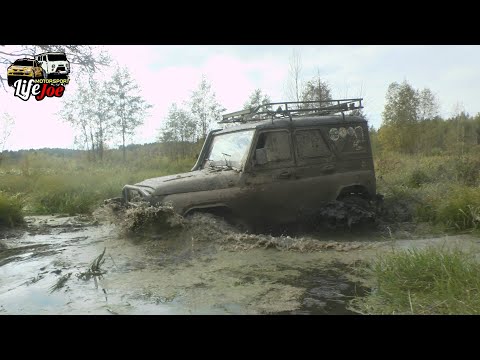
(24, 69)
(44, 75)
(54, 64)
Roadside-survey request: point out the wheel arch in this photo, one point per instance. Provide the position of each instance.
(355, 189)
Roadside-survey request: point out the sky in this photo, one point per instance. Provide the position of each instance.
(169, 73)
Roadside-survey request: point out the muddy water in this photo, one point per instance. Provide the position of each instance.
(199, 265)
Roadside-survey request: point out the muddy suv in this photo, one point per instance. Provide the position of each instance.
(274, 166)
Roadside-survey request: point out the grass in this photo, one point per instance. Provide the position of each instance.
(443, 190)
(49, 185)
(11, 213)
(427, 281)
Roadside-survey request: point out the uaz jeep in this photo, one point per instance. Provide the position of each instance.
(54, 64)
(274, 166)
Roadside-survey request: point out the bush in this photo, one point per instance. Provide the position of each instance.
(467, 171)
(10, 211)
(417, 178)
(456, 207)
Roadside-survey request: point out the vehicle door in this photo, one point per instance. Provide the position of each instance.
(316, 169)
(270, 176)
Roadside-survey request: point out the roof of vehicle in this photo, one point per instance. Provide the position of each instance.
(301, 121)
(23, 59)
(289, 114)
(51, 53)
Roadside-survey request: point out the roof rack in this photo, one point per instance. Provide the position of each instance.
(293, 108)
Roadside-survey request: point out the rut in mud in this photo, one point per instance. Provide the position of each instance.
(150, 261)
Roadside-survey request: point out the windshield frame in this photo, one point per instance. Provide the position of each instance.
(225, 162)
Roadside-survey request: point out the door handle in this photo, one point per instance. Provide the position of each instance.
(285, 175)
(328, 168)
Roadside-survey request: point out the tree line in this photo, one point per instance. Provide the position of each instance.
(411, 124)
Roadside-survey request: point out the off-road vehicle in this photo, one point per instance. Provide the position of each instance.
(278, 163)
(54, 64)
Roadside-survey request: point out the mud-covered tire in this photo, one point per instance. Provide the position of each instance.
(346, 213)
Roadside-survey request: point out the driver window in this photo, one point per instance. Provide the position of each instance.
(277, 146)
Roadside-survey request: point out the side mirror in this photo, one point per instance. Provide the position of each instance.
(261, 156)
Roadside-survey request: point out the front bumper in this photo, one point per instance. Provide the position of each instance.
(19, 74)
(59, 73)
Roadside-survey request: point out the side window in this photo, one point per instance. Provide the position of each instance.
(349, 138)
(276, 145)
(310, 144)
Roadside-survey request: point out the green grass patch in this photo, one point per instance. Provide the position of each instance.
(11, 213)
(456, 207)
(442, 190)
(427, 281)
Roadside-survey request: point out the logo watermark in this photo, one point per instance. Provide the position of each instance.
(44, 75)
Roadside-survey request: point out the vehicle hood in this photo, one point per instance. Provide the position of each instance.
(200, 180)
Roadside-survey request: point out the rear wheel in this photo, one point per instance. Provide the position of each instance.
(359, 210)
(345, 213)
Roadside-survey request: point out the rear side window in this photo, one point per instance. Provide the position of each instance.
(349, 139)
(310, 144)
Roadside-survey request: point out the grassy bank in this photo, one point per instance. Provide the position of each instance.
(47, 184)
(442, 190)
(428, 281)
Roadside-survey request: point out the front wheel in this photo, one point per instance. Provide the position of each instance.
(44, 75)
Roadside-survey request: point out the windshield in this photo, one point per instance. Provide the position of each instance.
(23, 62)
(57, 57)
(230, 150)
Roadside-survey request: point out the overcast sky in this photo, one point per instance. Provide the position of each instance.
(169, 74)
